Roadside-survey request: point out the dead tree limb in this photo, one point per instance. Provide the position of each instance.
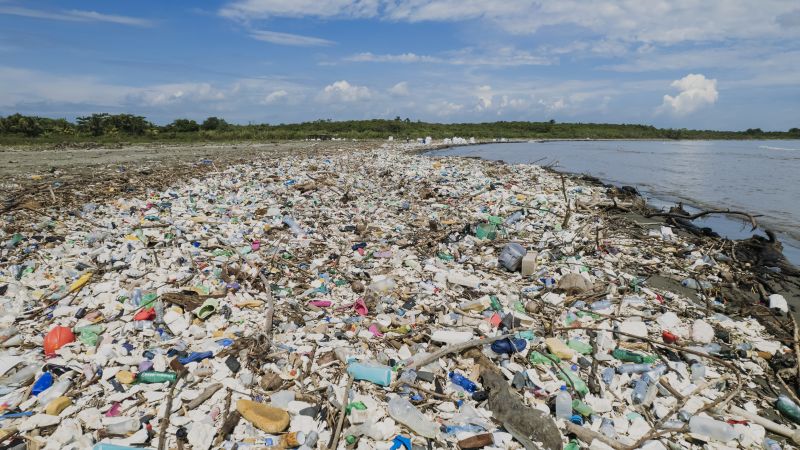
(728, 212)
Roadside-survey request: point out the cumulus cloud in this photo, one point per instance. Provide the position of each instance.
(400, 89)
(696, 91)
(342, 91)
(484, 94)
(390, 58)
(74, 15)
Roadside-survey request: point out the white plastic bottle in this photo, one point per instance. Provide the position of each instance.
(714, 429)
(123, 427)
(404, 412)
(56, 390)
(563, 403)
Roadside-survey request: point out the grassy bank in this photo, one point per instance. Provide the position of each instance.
(126, 128)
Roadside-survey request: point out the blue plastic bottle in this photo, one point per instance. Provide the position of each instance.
(44, 382)
(463, 381)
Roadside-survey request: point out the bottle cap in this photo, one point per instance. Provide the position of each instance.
(563, 387)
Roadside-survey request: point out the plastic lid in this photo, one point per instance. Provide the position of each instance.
(563, 387)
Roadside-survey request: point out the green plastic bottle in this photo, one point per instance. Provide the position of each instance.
(579, 346)
(577, 382)
(538, 358)
(788, 408)
(156, 377)
(573, 445)
(629, 356)
(582, 408)
(495, 303)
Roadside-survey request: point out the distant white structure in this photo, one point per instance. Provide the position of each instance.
(391, 138)
(428, 140)
(472, 140)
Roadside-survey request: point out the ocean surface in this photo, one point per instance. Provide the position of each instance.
(759, 177)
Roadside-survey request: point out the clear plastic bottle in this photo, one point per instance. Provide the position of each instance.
(294, 226)
(404, 412)
(607, 428)
(698, 372)
(771, 444)
(634, 368)
(563, 403)
(714, 429)
(123, 427)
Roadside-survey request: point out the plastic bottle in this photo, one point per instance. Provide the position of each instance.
(563, 403)
(136, 297)
(56, 390)
(577, 382)
(788, 408)
(644, 387)
(123, 427)
(558, 348)
(771, 444)
(8, 333)
(582, 408)
(634, 368)
(514, 218)
(607, 428)
(607, 375)
(373, 372)
(698, 372)
(42, 383)
(579, 346)
(152, 376)
(22, 376)
(467, 428)
(404, 412)
(293, 225)
(601, 305)
(714, 429)
(632, 357)
(511, 256)
(464, 382)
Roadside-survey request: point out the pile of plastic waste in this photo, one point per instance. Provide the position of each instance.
(376, 299)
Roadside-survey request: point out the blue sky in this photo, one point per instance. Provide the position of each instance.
(725, 64)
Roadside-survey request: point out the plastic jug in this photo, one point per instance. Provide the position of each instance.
(404, 412)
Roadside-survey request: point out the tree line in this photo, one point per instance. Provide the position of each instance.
(104, 127)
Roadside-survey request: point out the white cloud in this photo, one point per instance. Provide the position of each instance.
(484, 94)
(298, 40)
(275, 97)
(444, 108)
(696, 91)
(246, 10)
(654, 21)
(400, 89)
(342, 91)
(74, 16)
(503, 56)
(398, 58)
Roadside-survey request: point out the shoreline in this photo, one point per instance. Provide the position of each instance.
(361, 214)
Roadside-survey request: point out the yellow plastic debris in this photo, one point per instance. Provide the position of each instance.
(80, 282)
(55, 407)
(265, 418)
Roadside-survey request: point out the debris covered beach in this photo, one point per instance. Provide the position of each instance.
(369, 296)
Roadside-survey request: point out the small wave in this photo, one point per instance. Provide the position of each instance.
(769, 147)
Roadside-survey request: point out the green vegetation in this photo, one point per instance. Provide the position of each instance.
(112, 128)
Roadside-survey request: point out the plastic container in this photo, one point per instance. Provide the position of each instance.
(559, 348)
(698, 372)
(464, 382)
(714, 429)
(514, 218)
(56, 390)
(579, 346)
(293, 226)
(451, 337)
(607, 428)
(632, 357)
(153, 376)
(509, 346)
(123, 427)
(372, 372)
(404, 412)
(528, 266)
(634, 368)
(577, 382)
(43, 383)
(563, 403)
(788, 408)
(511, 256)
